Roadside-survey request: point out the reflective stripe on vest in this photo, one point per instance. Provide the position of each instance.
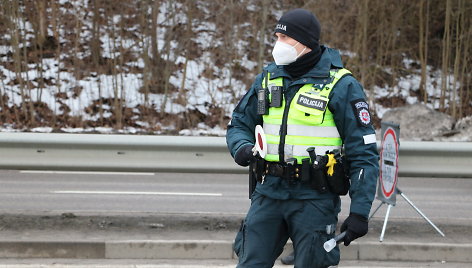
(309, 122)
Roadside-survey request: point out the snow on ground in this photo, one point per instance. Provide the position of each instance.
(411, 83)
(201, 90)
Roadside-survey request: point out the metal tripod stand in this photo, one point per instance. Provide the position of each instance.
(411, 204)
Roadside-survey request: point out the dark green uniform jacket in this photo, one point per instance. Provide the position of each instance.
(353, 124)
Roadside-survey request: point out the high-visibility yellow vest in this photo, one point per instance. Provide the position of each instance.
(309, 122)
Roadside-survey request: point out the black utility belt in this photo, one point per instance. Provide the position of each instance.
(316, 176)
(289, 172)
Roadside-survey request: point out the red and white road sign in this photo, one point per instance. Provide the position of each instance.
(389, 162)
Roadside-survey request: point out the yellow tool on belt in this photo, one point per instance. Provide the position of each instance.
(330, 164)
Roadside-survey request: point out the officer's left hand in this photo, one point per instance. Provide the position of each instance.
(355, 226)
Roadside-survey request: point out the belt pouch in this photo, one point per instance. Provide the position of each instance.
(338, 183)
(318, 181)
(306, 170)
(260, 168)
(290, 169)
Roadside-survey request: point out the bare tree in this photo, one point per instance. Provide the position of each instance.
(14, 21)
(423, 45)
(262, 36)
(376, 35)
(168, 38)
(446, 44)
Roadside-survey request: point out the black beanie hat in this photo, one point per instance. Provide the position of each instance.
(301, 25)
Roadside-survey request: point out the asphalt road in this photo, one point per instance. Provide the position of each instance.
(118, 193)
(33, 192)
(444, 200)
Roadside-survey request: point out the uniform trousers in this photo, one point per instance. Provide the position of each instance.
(270, 222)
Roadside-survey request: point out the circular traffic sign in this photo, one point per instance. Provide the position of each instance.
(389, 162)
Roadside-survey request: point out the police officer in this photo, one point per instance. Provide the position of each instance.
(310, 101)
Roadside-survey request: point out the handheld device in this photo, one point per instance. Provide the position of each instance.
(263, 98)
(275, 96)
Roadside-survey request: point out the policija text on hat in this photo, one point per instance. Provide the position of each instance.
(320, 145)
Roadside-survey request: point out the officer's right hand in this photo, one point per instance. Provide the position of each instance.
(355, 226)
(244, 155)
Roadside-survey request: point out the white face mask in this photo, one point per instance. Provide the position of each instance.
(284, 54)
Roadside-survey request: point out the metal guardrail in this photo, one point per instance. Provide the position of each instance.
(101, 152)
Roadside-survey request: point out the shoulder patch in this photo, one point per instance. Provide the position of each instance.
(361, 112)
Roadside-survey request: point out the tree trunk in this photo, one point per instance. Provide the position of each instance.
(446, 43)
(262, 34)
(423, 46)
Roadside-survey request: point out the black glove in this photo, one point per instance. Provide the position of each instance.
(356, 226)
(244, 155)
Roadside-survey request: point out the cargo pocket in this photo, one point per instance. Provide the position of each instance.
(321, 258)
(238, 245)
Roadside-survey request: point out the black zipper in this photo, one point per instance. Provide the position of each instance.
(283, 131)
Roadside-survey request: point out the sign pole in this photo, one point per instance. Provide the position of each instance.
(385, 223)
